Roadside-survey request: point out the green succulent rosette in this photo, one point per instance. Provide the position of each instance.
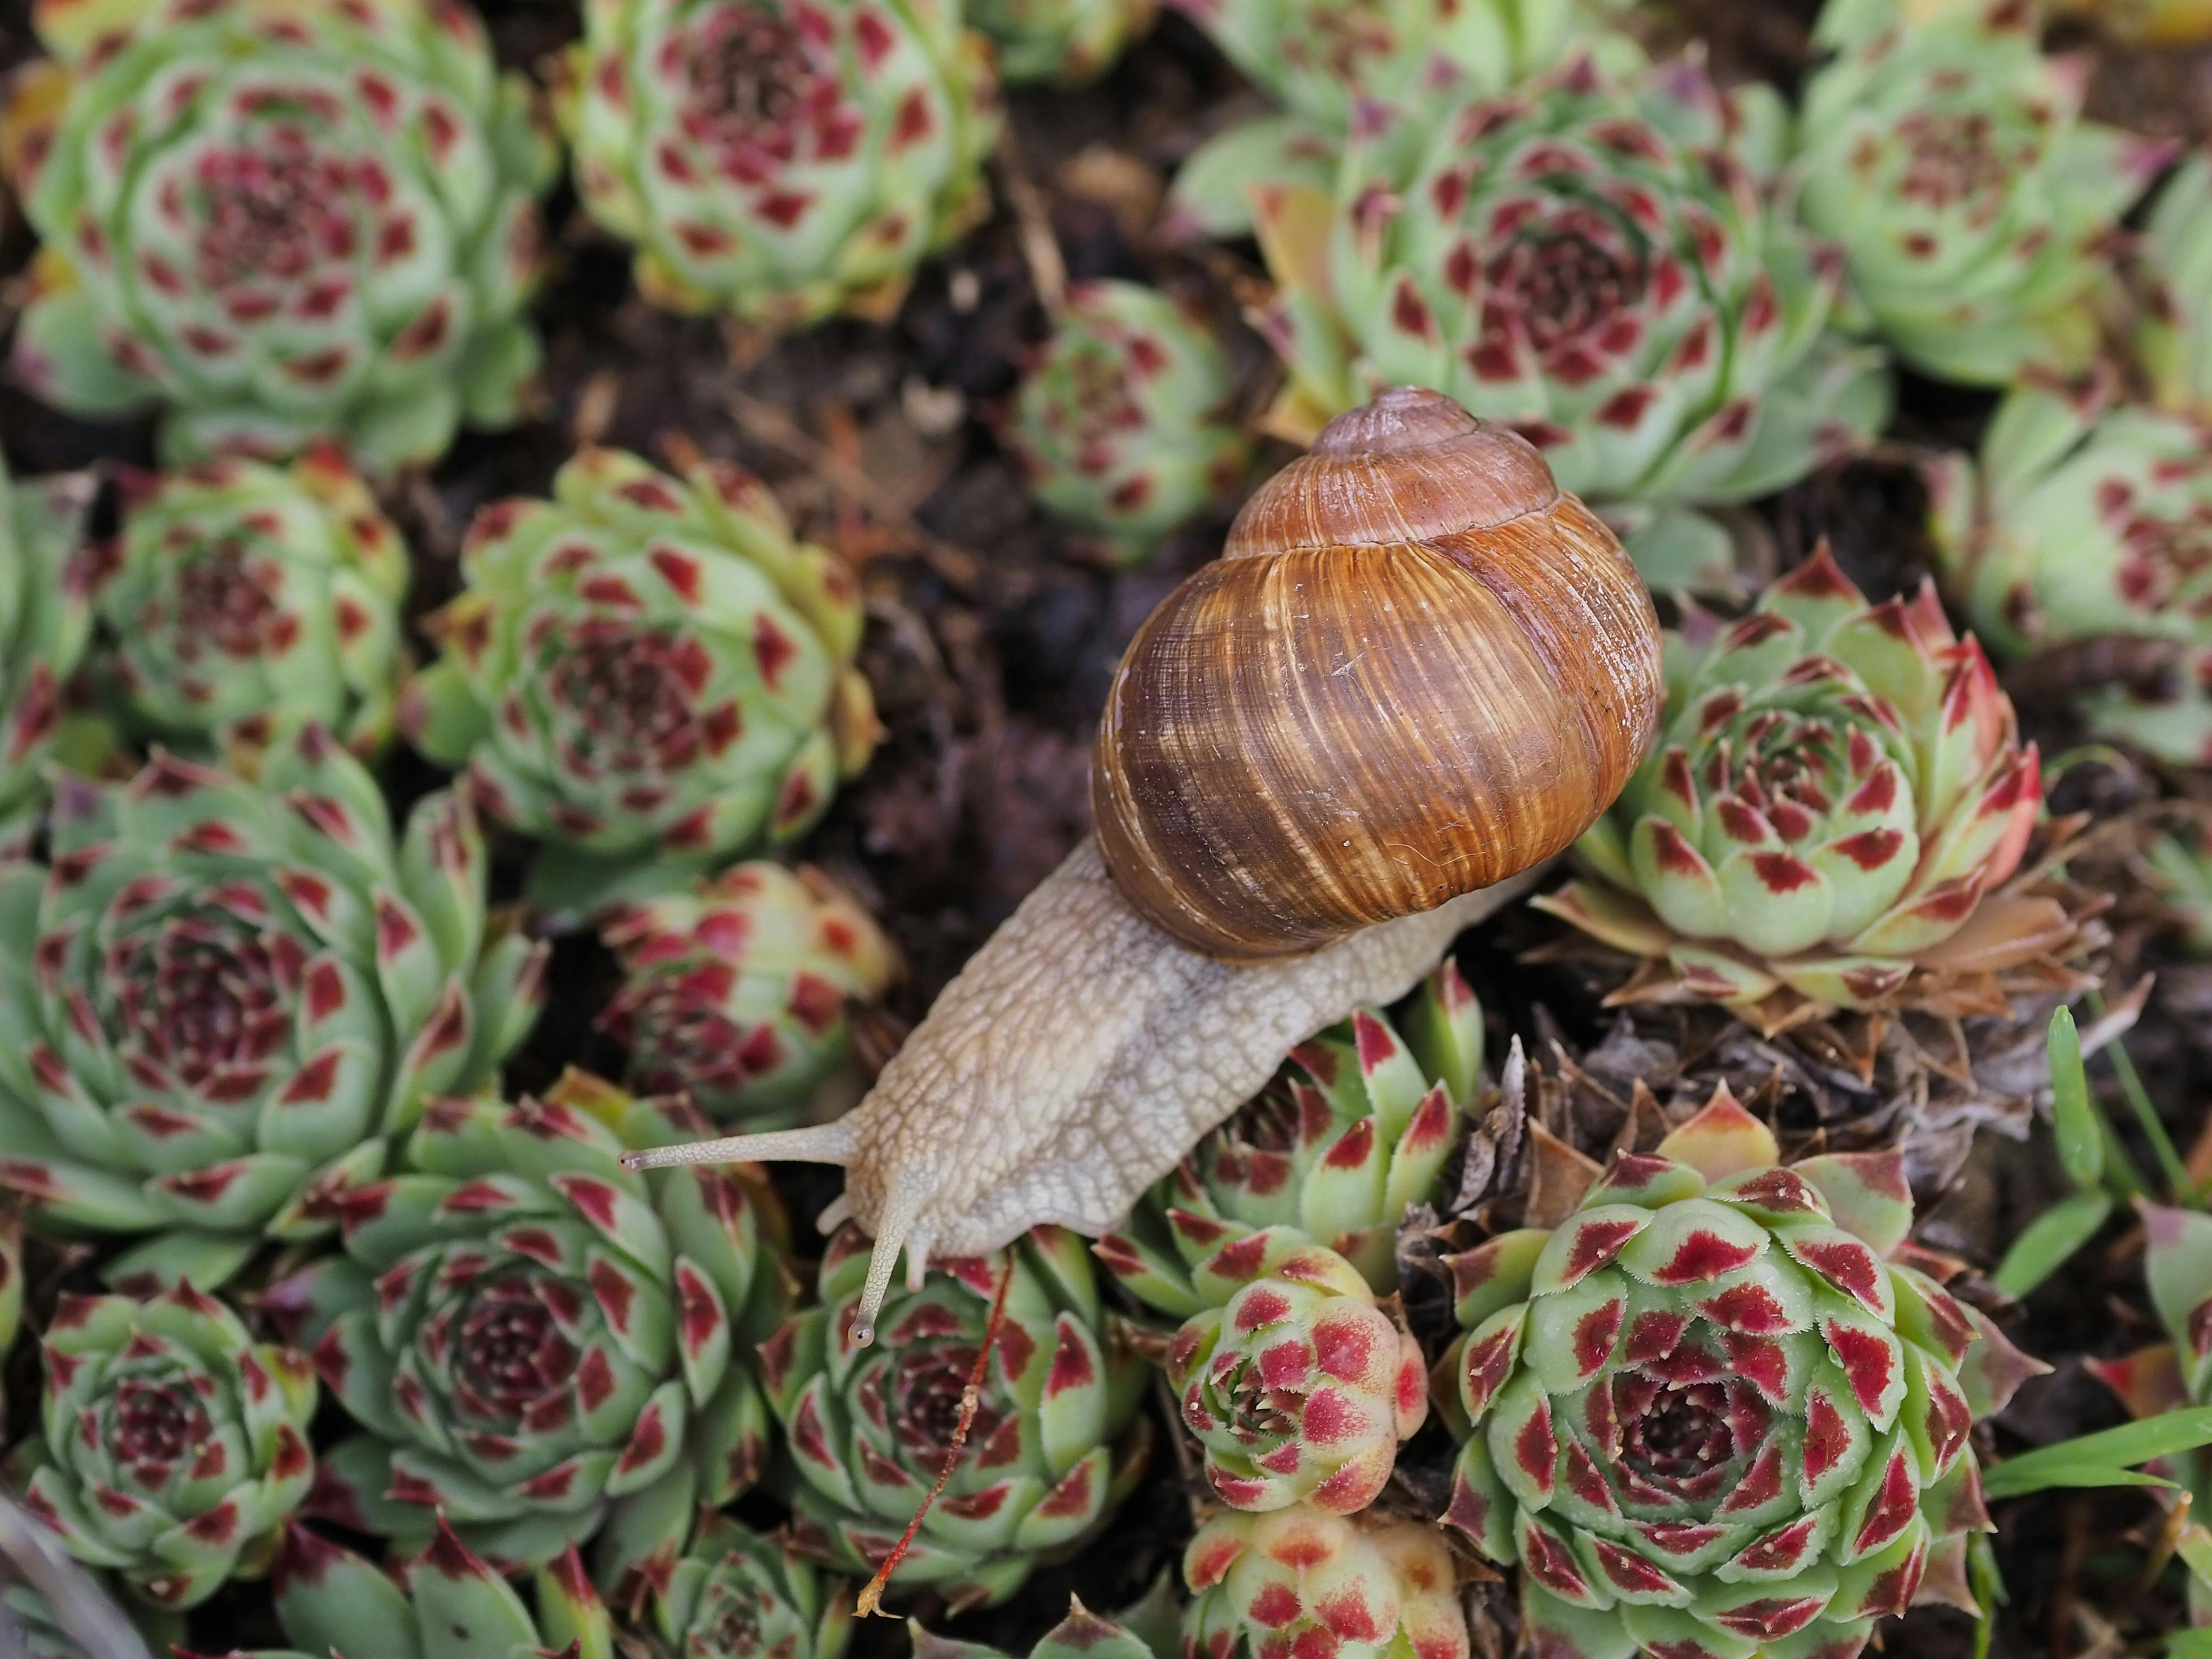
(780, 160)
(736, 1594)
(279, 221)
(1057, 1443)
(2176, 1373)
(1325, 62)
(1068, 43)
(1146, 1630)
(1719, 1411)
(648, 672)
(219, 999)
(1358, 1128)
(2173, 326)
(1297, 1385)
(1838, 792)
(541, 1346)
(1303, 1580)
(45, 618)
(241, 601)
(1977, 212)
(1124, 424)
(445, 1603)
(2082, 521)
(735, 993)
(171, 1445)
(1596, 264)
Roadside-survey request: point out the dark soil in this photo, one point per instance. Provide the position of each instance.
(991, 644)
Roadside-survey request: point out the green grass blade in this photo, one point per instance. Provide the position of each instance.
(2045, 1243)
(2080, 1143)
(2113, 1449)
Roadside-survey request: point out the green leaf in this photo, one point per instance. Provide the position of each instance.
(2045, 1243)
(2131, 1443)
(2095, 1474)
(2190, 1643)
(2080, 1143)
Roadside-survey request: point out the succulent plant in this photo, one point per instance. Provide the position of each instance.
(1303, 1581)
(2179, 865)
(1068, 42)
(445, 1603)
(780, 159)
(241, 601)
(1146, 1630)
(541, 1345)
(171, 1445)
(279, 219)
(11, 1276)
(1977, 212)
(221, 997)
(735, 993)
(1297, 1386)
(1326, 61)
(1718, 1411)
(649, 672)
(1122, 425)
(736, 1594)
(1358, 1127)
(1055, 1443)
(2173, 329)
(1594, 264)
(45, 616)
(2083, 523)
(2177, 1372)
(1838, 791)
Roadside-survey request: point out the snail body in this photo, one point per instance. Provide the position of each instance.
(1419, 670)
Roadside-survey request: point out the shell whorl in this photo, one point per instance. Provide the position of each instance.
(1418, 667)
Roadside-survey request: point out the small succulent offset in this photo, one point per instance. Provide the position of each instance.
(2082, 523)
(1328, 61)
(1297, 1385)
(1056, 1443)
(736, 1594)
(542, 1346)
(1719, 1411)
(279, 219)
(241, 601)
(1146, 1630)
(1838, 791)
(780, 159)
(45, 617)
(171, 1446)
(736, 992)
(2177, 1372)
(649, 672)
(1303, 1581)
(445, 1603)
(2173, 327)
(1358, 1128)
(221, 997)
(1068, 42)
(1595, 264)
(1977, 214)
(1124, 424)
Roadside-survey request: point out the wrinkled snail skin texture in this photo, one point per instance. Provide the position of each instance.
(1417, 668)
(1418, 671)
(1079, 1054)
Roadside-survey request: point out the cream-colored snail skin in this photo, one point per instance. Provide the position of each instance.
(1155, 980)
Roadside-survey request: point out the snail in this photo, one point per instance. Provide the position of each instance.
(1418, 669)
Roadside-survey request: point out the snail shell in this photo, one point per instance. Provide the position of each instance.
(1417, 668)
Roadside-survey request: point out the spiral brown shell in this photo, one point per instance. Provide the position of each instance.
(1418, 667)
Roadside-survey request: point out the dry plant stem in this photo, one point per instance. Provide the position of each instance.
(870, 1601)
(1078, 1057)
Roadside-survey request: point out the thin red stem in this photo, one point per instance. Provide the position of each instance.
(971, 1399)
